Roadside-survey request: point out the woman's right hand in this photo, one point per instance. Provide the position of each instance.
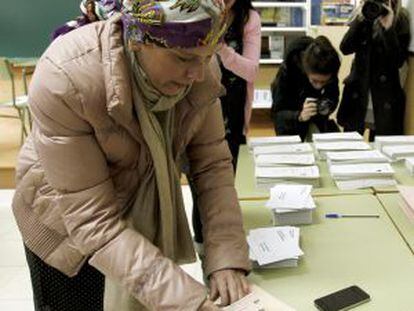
(308, 111)
(208, 305)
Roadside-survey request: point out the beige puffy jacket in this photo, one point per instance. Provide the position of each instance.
(79, 170)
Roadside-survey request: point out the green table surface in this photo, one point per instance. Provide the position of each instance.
(402, 176)
(391, 203)
(247, 190)
(366, 252)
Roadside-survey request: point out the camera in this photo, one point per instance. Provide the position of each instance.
(372, 9)
(323, 105)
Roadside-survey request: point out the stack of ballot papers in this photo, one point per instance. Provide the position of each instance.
(291, 204)
(398, 152)
(267, 177)
(267, 160)
(324, 148)
(351, 157)
(407, 202)
(258, 300)
(274, 247)
(382, 141)
(409, 164)
(262, 98)
(362, 175)
(273, 140)
(302, 148)
(336, 137)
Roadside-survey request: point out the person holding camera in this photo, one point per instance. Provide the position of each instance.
(373, 96)
(305, 91)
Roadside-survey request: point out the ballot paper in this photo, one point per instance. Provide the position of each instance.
(267, 160)
(367, 170)
(399, 152)
(258, 300)
(389, 140)
(337, 137)
(273, 244)
(360, 183)
(283, 149)
(273, 140)
(289, 197)
(269, 176)
(350, 157)
(323, 148)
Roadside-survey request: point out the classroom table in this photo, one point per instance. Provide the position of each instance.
(339, 253)
(247, 190)
(26, 65)
(391, 204)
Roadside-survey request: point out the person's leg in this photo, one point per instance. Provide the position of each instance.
(54, 291)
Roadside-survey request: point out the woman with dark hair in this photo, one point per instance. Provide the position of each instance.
(305, 91)
(239, 57)
(373, 97)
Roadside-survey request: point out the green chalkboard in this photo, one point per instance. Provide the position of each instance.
(26, 25)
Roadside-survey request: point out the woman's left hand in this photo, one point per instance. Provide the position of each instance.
(387, 20)
(230, 285)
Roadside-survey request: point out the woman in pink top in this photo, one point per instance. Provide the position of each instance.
(239, 57)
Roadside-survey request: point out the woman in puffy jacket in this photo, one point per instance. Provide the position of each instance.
(115, 106)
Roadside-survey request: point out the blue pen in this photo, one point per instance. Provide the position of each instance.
(336, 215)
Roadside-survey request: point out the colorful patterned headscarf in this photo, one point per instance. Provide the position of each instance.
(174, 23)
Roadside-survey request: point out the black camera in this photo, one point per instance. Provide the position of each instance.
(323, 105)
(372, 9)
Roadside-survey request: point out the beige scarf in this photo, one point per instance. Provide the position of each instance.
(158, 212)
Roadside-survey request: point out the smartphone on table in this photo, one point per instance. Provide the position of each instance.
(343, 299)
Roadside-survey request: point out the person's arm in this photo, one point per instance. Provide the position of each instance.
(395, 40)
(77, 169)
(357, 35)
(246, 65)
(332, 93)
(285, 117)
(224, 238)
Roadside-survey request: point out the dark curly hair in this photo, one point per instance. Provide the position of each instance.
(321, 57)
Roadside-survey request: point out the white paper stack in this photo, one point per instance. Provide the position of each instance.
(382, 141)
(267, 177)
(272, 140)
(291, 204)
(323, 148)
(303, 148)
(363, 175)
(262, 98)
(269, 160)
(409, 164)
(351, 157)
(274, 247)
(336, 137)
(398, 152)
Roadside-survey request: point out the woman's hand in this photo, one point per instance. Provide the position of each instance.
(208, 305)
(387, 20)
(308, 111)
(230, 285)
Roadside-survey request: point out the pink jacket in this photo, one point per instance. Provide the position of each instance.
(246, 65)
(78, 172)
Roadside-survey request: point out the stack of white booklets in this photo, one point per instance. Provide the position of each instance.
(362, 175)
(336, 137)
(382, 141)
(267, 177)
(291, 204)
(352, 157)
(325, 147)
(398, 152)
(300, 148)
(254, 142)
(269, 160)
(274, 247)
(409, 164)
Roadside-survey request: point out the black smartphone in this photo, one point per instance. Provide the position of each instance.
(343, 299)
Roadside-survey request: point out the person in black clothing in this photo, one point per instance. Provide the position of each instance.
(305, 91)
(373, 96)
